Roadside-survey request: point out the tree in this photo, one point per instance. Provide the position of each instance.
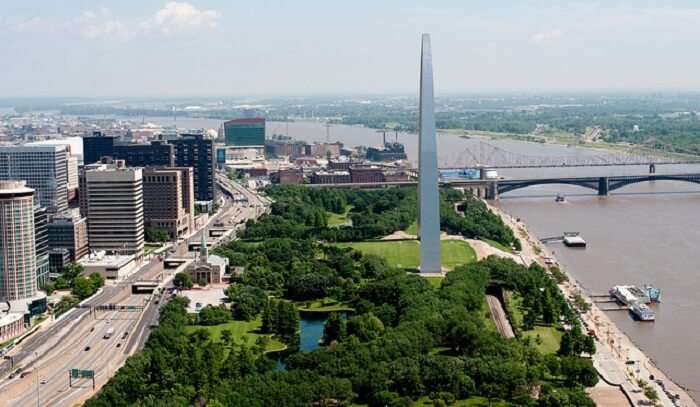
(578, 371)
(156, 235)
(211, 315)
(183, 281)
(97, 280)
(269, 317)
(82, 288)
(334, 329)
(227, 337)
(247, 300)
(365, 327)
(72, 270)
(287, 319)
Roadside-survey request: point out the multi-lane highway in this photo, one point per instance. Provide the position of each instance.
(76, 341)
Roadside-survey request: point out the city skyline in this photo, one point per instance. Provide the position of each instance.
(216, 48)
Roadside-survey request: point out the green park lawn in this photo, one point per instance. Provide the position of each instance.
(550, 336)
(434, 281)
(338, 219)
(412, 229)
(151, 247)
(326, 304)
(247, 331)
(498, 246)
(470, 402)
(405, 253)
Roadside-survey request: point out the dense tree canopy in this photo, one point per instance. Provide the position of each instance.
(403, 339)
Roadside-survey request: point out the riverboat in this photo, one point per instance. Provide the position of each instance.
(642, 312)
(630, 294)
(573, 240)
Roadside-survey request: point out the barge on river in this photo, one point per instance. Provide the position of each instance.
(636, 299)
(573, 239)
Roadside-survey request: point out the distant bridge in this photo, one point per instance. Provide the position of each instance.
(602, 185)
(493, 188)
(490, 156)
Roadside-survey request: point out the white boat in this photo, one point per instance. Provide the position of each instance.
(642, 312)
(630, 294)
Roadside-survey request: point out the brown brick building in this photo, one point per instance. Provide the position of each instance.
(168, 200)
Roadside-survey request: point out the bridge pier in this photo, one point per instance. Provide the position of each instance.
(492, 191)
(603, 186)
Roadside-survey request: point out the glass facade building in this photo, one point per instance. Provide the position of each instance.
(245, 132)
(44, 168)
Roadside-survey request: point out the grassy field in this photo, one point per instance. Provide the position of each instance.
(405, 253)
(151, 247)
(550, 336)
(470, 402)
(247, 331)
(339, 219)
(322, 305)
(434, 281)
(498, 246)
(412, 229)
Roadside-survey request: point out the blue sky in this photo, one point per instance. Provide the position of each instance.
(266, 47)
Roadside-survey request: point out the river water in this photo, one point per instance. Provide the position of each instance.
(643, 233)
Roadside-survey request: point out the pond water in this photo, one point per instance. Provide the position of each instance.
(310, 334)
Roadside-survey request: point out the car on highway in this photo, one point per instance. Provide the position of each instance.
(119, 345)
(87, 348)
(25, 374)
(43, 381)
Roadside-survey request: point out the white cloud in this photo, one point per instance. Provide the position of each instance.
(97, 24)
(546, 36)
(176, 16)
(27, 24)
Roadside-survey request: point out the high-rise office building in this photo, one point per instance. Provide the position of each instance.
(44, 168)
(18, 265)
(245, 132)
(155, 154)
(41, 244)
(114, 207)
(69, 231)
(168, 200)
(96, 146)
(428, 194)
(196, 151)
(72, 171)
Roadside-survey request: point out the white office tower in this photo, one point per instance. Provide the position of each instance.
(113, 196)
(17, 245)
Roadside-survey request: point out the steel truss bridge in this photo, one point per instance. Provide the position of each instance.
(602, 185)
(490, 156)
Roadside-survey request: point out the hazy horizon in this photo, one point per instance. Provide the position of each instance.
(145, 49)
